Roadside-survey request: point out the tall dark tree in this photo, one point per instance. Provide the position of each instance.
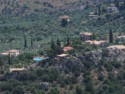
(94, 36)
(68, 41)
(25, 42)
(110, 36)
(58, 42)
(52, 44)
(59, 49)
(64, 22)
(1, 61)
(99, 10)
(31, 43)
(9, 59)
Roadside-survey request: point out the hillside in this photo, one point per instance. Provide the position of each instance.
(62, 46)
(29, 6)
(41, 26)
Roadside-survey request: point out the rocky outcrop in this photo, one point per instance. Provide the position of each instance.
(70, 63)
(113, 54)
(107, 54)
(76, 63)
(93, 56)
(44, 86)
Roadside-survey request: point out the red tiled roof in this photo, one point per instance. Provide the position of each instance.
(67, 48)
(64, 17)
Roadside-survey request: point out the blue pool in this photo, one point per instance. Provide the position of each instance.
(37, 58)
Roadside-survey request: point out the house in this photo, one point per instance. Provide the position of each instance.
(64, 17)
(11, 52)
(112, 9)
(86, 36)
(17, 69)
(64, 20)
(67, 48)
(100, 43)
(116, 47)
(120, 39)
(92, 16)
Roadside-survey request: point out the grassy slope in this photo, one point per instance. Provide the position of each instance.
(43, 26)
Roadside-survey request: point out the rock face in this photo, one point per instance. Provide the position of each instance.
(76, 63)
(107, 54)
(93, 56)
(114, 55)
(70, 63)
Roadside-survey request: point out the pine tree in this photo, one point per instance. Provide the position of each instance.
(25, 42)
(110, 36)
(58, 42)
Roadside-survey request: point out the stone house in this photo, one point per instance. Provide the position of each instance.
(86, 36)
(112, 9)
(11, 53)
(100, 43)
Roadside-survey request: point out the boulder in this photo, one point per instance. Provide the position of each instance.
(44, 86)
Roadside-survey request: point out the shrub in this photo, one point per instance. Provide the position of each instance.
(116, 64)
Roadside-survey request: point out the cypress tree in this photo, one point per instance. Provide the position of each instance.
(94, 36)
(99, 10)
(68, 41)
(52, 44)
(64, 23)
(31, 43)
(58, 42)
(9, 59)
(25, 42)
(110, 36)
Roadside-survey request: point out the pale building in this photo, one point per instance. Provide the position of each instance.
(64, 17)
(11, 52)
(92, 16)
(17, 69)
(116, 47)
(86, 36)
(100, 43)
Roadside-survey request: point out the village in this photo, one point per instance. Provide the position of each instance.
(86, 38)
(113, 41)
